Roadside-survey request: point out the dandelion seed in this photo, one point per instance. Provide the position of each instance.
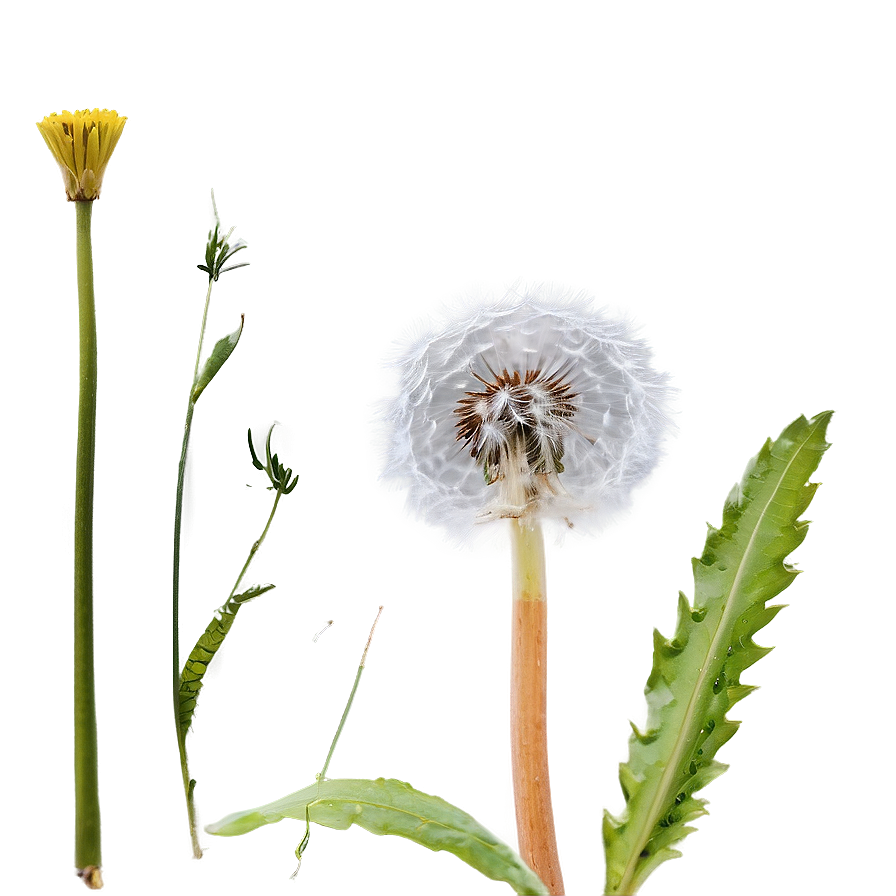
(536, 407)
(329, 623)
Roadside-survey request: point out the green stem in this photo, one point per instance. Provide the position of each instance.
(189, 786)
(189, 782)
(254, 549)
(177, 538)
(528, 706)
(351, 697)
(202, 320)
(88, 858)
(176, 562)
(176, 583)
(322, 774)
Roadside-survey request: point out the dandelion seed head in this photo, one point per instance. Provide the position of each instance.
(536, 406)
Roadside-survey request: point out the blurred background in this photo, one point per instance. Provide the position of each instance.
(720, 174)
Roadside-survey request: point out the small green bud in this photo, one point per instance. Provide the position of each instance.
(218, 249)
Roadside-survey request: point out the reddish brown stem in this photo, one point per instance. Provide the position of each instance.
(528, 711)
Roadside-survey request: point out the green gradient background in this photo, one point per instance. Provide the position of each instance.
(721, 173)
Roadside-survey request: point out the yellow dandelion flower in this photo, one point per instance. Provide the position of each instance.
(82, 144)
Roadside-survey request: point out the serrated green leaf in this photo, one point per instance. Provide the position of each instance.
(220, 353)
(387, 806)
(249, 593)
(204, 652)
(695, 678)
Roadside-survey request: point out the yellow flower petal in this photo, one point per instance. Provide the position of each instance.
(82, 143)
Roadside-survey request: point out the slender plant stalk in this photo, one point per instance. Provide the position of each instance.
(528, 707)
(202, 322)
(254, 549)
(82, 143)
(88, 856)
(176, 548)
(189, 784)
(351, 697)
(322, 774)
(182, 735)
(177, 539)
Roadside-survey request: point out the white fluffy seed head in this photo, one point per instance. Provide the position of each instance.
(536, 406)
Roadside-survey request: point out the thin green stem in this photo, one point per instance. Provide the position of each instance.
(189, 785)
(189, 782)
(202, 321)
(528, 706)
(177, 537)
(300, 849)
(254, 549)
(176, 561)
(351, 697)
(88, 856)
(176, 583)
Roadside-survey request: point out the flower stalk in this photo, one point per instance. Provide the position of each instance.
(82, 144)
(536, 408)
(88, 852)
(528, 706)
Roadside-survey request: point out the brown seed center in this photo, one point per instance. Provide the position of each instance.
(518, 419)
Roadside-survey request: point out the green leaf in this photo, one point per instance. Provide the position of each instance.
(249, 593)
(696, 675)
(204, 652)
(393, 807)
(220, 353)
(272, 464)
(253, 454)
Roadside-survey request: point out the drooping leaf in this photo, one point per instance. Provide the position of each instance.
(695, 678)
(220, 353)
(253, 454)
(233, 267)
(204, 651)
(387, 806)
